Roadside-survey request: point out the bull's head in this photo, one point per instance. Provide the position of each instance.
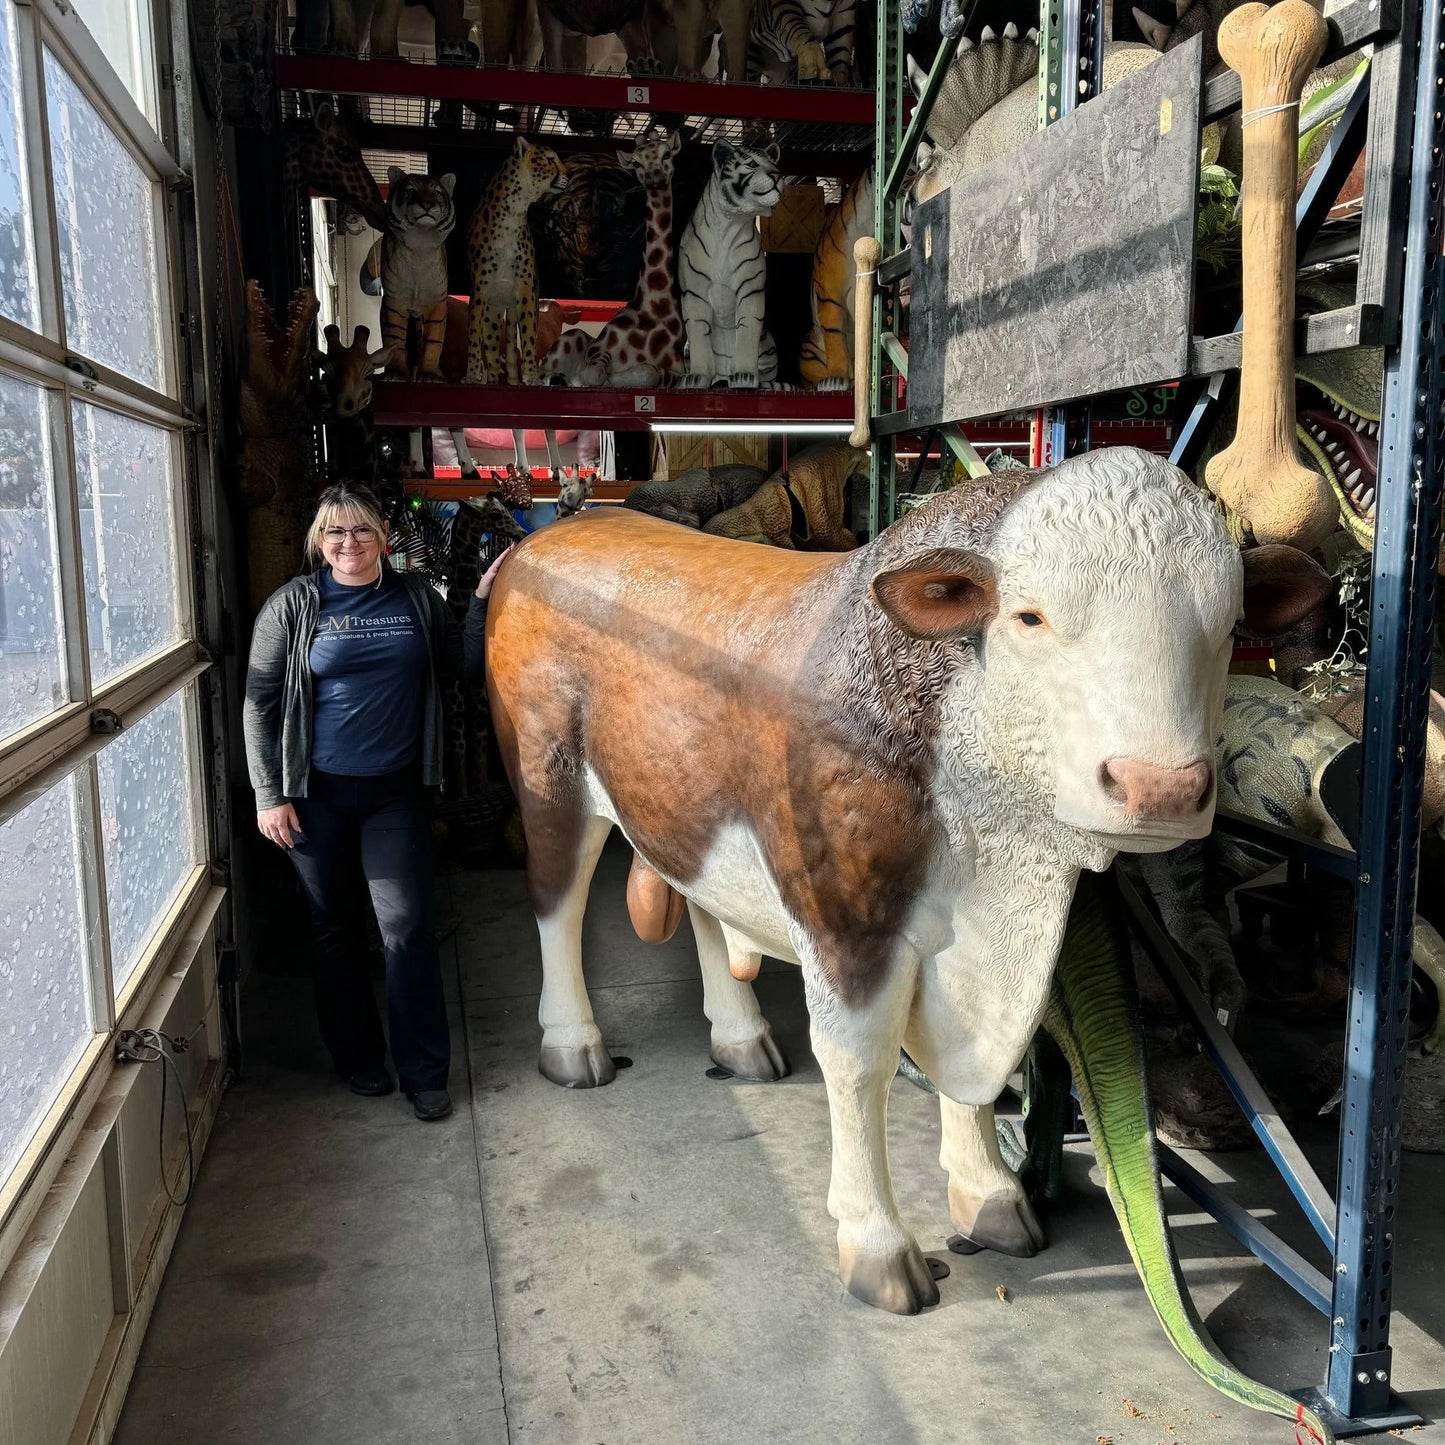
(1101, 607)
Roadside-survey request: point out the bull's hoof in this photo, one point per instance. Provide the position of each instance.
(1001, 1222)
(759, 1059)
(900, 1282)
(579, 1066)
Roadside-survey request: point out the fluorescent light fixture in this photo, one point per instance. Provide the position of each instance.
(757, 428)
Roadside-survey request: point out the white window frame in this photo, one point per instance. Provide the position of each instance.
(66, 741)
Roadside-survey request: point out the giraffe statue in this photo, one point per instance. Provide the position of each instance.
(478, 817)
(642, 344)
(464, 710)
(346, 376)
(322, 155)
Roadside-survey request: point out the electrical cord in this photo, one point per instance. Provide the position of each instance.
(148, 1046)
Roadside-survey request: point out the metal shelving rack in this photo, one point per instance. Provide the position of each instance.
(1399, 118)
(414, 106)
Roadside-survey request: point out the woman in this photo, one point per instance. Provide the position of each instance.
(343, 726)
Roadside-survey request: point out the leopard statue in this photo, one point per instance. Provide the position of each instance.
(502, 264)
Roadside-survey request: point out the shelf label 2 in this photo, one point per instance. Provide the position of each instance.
(639, 95)
(645, 402)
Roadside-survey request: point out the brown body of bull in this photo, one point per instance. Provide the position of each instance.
(686, 690)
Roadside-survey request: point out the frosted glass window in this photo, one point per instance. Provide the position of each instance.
(123, 471)
(147, 828)
(44, 1014)
(32, 671)
(122, 29)
(104, 209)
(17, 246)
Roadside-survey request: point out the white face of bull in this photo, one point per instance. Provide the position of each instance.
(1101, 610)
(1103, 668)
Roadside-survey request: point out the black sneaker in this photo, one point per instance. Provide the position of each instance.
(371, 1083)
(431, 1103)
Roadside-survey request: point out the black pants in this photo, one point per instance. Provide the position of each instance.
(376, 833)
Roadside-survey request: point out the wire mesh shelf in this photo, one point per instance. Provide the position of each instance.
(406, 105)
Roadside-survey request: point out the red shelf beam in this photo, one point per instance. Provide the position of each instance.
(342, 75)
(442, 404)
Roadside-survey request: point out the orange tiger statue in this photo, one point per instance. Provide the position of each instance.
(826, 360)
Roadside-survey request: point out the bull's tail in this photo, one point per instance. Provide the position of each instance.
(1093, 1014)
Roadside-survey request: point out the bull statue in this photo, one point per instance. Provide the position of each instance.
(890, 767)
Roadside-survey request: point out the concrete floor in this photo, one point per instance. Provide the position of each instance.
(653, 1261)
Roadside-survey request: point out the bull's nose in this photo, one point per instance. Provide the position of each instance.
(1154, 794)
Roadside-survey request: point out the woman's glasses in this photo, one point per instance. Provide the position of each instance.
(337, 535)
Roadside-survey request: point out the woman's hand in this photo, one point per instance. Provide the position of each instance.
(484, 587)
(280, 825)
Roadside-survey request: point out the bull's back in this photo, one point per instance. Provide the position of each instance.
(639, 648)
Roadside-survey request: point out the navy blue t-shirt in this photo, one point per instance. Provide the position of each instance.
(368, 662)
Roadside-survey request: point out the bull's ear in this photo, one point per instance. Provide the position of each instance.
(939, 594)
(1281, 586)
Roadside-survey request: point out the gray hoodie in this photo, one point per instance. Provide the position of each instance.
(276, 717)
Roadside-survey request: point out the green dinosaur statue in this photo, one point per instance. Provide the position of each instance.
(1093, 1014)
(1091, 1029)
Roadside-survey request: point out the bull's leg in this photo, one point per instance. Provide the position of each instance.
(857, 1049)
(573, 1053)
(986, 1202)
(742, 1042)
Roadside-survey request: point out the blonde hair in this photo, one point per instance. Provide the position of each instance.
(358, 503)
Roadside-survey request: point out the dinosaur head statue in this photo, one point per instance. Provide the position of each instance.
(1337, 406)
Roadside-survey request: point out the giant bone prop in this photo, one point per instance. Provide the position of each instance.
(866, 254)
(1259, 476)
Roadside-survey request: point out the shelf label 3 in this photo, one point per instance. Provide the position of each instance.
(644, 403)
(639, 95)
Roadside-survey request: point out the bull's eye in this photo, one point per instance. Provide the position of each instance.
(1030, 619)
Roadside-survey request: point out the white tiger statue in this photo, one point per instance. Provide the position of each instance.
(800, 40)
(723, 272)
